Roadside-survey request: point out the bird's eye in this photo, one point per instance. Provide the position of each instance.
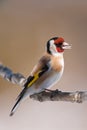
(58, 45)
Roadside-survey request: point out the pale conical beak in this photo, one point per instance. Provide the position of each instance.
(66, 46)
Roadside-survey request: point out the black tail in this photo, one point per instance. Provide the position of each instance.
(19, 99)
(21, 95)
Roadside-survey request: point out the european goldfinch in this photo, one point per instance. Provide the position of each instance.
(46, 72)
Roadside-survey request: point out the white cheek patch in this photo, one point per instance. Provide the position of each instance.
(51, 42)
(53, 47)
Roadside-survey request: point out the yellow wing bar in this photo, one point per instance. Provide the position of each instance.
(36, 76)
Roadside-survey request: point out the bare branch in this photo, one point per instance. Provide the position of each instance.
(56, 95)
(48, 95)
(15, 78)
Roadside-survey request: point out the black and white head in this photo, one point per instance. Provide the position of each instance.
(57, 45)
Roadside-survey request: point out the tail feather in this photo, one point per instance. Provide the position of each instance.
(21, 95)
(15, 107)
(19, 99)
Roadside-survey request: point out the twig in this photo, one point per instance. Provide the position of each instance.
(15, 78)
(48, 95)
(56, 95)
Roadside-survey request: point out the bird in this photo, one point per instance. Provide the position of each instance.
(47, 72)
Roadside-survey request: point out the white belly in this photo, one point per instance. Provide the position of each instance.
(49, 79)
(46, 81)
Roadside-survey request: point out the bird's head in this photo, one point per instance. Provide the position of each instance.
(57, 45)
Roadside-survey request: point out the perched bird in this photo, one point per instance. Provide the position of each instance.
(46, 72)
